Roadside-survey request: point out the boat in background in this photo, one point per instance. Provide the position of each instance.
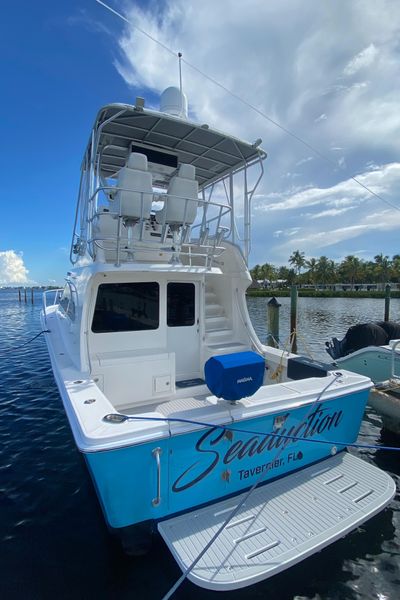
(373, 349)
(189, 425)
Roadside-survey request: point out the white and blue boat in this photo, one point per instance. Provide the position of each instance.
(189, 425)
(373, 349)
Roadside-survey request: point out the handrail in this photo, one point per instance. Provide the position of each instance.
(210, 234)
(215, 220)
(157, 453)
(56, 293)
(248, 325)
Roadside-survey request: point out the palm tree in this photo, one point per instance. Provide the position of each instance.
(383, 265)
(325, 270)
(297, 260)
(351, 267)
(312, 264)
(396, 267)
(268, 272)
(286, 274)
(255, 272)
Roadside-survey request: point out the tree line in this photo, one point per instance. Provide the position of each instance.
(321, 271)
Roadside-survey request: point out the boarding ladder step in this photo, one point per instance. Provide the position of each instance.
(214, 310)
(223, 334)
(215, 323)
(210, 297)
(227, 347)
(280, 524)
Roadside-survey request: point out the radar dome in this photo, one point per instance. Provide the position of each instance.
(174, 102)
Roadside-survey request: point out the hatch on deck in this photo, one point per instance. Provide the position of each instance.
(280, 524)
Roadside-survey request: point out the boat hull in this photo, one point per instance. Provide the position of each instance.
(205, 465)
(373, 362)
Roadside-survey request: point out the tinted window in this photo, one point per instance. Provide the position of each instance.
(180, 304)
(126, 307)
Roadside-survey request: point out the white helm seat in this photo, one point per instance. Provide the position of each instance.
(135, 201)
(182, 198)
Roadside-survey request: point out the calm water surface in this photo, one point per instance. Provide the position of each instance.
(53, 541)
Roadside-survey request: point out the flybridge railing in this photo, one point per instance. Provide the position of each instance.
(211, 228)
(197, 233)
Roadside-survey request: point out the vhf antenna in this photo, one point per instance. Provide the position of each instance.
(180, 80)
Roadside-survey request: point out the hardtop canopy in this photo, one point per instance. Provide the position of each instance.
(214, 154)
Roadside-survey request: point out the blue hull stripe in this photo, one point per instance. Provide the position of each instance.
(210, 464)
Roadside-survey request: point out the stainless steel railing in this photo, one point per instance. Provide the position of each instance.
(141, 233)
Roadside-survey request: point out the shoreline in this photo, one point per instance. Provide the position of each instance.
(281, 293)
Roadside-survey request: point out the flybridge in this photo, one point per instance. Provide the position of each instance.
(178, 196)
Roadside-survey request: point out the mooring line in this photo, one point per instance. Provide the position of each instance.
(8, 350)
(113, 418)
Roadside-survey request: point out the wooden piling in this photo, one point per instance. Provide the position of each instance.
(19, 296)
(273, 322)
(31, 295)
(387, 302)
(25, 300)
(293, 318)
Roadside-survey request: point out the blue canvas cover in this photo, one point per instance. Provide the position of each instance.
(234, 376)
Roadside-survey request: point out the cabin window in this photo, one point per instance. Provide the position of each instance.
(127, 307)
(180, 304)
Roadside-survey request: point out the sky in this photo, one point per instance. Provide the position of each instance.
(328, 72)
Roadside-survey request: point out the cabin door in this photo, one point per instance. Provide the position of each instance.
(183, 327)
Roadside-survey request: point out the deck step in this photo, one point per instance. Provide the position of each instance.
(214, 335)
(227, 347)
(280, 524)
(211, 297)
(216, 323)
(214, 310)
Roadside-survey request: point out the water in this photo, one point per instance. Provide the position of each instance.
(54, 543)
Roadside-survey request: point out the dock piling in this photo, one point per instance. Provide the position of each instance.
(387, 302)
(25, 300)
(273, 322)
(293, 318)
(19, 296)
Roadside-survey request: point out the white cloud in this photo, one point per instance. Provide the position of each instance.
(303, 161)
(332, 212)
(382, 221)
(338, 92)
(363, 59)
(12, 268)
(383, 180)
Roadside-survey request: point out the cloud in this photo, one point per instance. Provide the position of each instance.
(12, 268)
(379, 222)
(340, 93)
(362, 60)
(383, 180)
(332, 212)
